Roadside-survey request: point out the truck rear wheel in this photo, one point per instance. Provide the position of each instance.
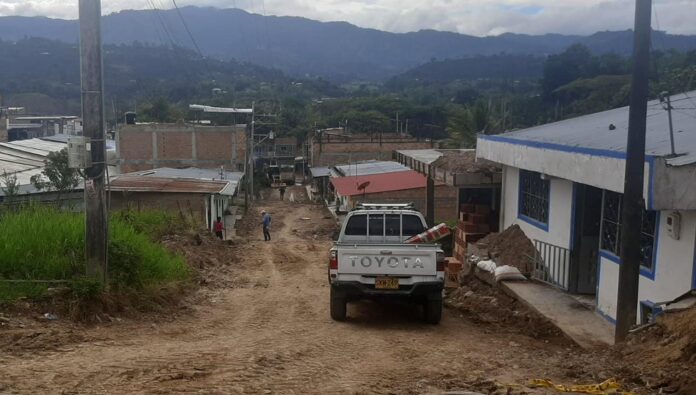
(338, 306)
(432, 309)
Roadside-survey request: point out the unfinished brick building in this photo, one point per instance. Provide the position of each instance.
(149, 146)
(330, 149)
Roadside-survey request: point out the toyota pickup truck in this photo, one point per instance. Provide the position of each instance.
(369, 260)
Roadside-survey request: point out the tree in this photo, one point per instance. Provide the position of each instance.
(59, 176)
(575, 62)
(10, 186)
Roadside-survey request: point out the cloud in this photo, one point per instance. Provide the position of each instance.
(475, 17)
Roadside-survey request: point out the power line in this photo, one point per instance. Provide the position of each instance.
(188, 31)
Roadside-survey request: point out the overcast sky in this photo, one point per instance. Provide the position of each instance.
(475, 17)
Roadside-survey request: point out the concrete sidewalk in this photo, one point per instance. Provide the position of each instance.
(584, 326)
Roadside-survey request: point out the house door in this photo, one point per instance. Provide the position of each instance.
(588, 213)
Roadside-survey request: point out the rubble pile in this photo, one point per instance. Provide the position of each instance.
(663, 355)
(485, 304)
(510, 247)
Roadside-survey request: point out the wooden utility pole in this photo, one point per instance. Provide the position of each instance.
(96, 238)
(633, 202)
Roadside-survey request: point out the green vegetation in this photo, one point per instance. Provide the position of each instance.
(39, 243)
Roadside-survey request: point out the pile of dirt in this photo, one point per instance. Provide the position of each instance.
(485, 304)
(212, 259)
(510, 247)
(663, 356)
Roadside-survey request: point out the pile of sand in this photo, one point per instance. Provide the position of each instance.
(510, 247)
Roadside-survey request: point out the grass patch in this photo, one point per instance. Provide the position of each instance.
(41, 243)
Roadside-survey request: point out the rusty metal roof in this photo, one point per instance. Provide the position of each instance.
(168, 185)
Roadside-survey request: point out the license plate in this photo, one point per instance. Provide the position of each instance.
(386, 283)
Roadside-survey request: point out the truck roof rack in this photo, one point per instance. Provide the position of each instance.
(384, 206)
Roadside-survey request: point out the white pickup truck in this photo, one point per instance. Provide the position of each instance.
(371, 261)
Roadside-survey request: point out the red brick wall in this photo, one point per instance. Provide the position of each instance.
(174, 145)
(135, 145)
(337, 151)
(215, 146)
(445, 200)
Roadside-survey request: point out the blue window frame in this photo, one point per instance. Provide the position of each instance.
(533, 205)
(611, 230)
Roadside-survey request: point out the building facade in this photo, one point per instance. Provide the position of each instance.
(563, 184)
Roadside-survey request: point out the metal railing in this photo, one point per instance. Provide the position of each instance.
(551, 264)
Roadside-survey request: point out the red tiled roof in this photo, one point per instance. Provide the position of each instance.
(386, 182)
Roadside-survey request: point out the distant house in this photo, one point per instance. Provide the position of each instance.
(201, 194)
(406, 186)
(334, 147)
(563, 183)
(26, 158)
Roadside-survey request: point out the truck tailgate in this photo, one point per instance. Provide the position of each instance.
(397, 260)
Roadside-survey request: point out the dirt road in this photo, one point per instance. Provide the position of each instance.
(273, 334)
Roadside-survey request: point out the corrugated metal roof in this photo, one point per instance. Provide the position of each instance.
(370, 167)
(426, 156)
(191, 180)
(191, 172)
(385, 182)
(134, 183)
(320, 171)
(593, 131)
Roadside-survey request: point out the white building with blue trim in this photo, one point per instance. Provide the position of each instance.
(563, 183)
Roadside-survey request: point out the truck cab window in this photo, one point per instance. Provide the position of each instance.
(357, 226)
(392, 225)
(376, 224)
(412, 225)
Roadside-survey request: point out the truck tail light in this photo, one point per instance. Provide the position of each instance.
(440, 266)
(333, 260)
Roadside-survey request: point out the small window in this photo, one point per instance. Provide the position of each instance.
(412, 225)
(611, 229)
(534, 196)
(357, 226)
(392, 225)
(376, 224)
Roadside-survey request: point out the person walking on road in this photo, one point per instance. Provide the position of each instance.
(282, 192)
(266, 222)
(218, 227)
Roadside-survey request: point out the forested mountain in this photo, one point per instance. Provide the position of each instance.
(44, 76)
(303, 47)
(501, 67)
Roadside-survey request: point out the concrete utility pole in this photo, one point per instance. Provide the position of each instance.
(668, 99)
(633, 205)
(251, 172)
(96, 238)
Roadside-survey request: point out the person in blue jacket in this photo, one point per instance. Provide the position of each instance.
(266, 222)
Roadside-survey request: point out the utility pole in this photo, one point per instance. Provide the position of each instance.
(251, 166)
(397, 122)
(96, 223)
(665, 96)
(633, 205)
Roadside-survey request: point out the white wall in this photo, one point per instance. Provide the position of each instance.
(595, 170)
(674, 266)
(560, 209)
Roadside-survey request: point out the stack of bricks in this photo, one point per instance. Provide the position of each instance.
(453, 267)
(474, 224)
